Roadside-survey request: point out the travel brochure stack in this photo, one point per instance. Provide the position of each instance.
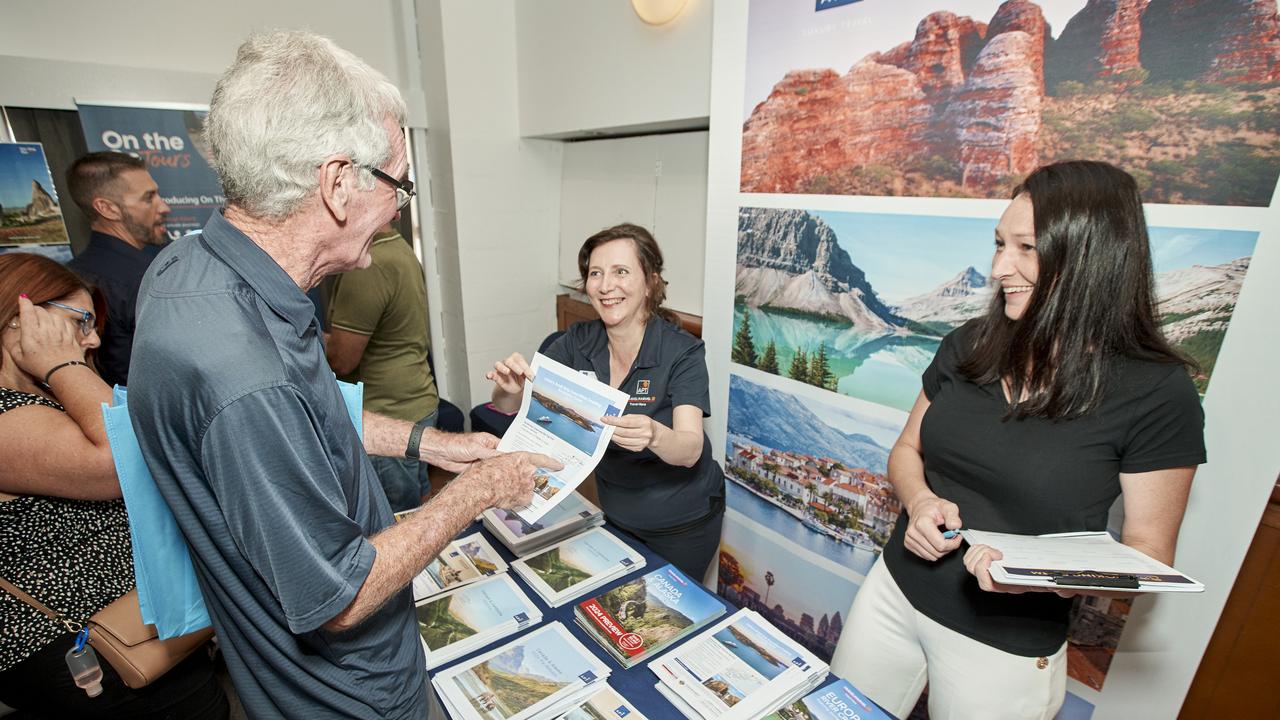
(571, 568)
(606, 703)
(463, 561)
(467, 618)
(837, 701)
(740, 669)
(573, 515)
(638, 619)
(543, 674)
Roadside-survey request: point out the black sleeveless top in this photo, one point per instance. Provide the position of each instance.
(72, 555)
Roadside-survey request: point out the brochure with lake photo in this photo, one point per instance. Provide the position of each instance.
(560, 416)
(642, 617)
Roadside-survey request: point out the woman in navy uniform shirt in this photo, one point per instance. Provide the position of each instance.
(657, 480)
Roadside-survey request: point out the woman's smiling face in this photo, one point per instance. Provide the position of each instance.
(616, 283)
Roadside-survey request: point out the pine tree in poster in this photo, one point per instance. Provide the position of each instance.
(744, 349)
(820, 369)
(799, 369)
(769, 361)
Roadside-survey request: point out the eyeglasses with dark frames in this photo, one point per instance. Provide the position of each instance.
(404, 188)
(86, 322)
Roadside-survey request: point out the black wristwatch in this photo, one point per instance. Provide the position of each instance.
(415, 437)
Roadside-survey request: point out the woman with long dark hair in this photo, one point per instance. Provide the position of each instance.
(1032, 420)
(657, 480)
(63, 526)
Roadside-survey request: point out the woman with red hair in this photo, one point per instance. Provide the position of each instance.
(62, 523)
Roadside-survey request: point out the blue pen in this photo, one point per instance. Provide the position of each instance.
(948, 534)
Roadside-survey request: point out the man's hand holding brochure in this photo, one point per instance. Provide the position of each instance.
(560, 416)
(1086, 560)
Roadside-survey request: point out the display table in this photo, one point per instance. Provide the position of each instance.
(635, 684)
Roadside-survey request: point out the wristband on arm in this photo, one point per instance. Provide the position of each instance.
(415, 438)
(58, 367)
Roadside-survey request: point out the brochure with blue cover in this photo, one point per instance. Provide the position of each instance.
(837, 701)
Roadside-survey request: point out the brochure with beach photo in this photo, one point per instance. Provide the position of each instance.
(573, 515)
(560, 416)
(466, 619)
(539, 675)
(640, 618)
(740, 668)
(571, 568)
(837, 701)
(606, 704)
(463, 561)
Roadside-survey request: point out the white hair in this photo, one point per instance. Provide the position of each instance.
(290, 100)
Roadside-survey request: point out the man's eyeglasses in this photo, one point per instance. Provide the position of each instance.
(86, 321)
(404, 188)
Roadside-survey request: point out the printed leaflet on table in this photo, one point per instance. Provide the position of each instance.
(539, 675)
(837, 701)
(463, 561)
(571, 568)
(740, 669)
(573, 515)
(606, 703)
(1087, 559)
(639, 618)
(466, 619)
(560, 416)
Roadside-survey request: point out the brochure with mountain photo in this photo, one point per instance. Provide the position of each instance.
(539, 675)
(463, 561)
(465, 619)
(639, 618)
(574, 567)
(560, 416)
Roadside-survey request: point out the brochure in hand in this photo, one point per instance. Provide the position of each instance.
(739, 669)
(560, 415)
(837, 701)
(637, 619)
(571, 568)
(573, 515)
(539, 675)
(466, 619)
(606, 704)
(1091, 560)
(463, 561)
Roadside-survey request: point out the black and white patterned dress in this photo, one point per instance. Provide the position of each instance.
(72, 555)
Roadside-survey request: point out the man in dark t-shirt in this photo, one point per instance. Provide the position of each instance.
(126, 216)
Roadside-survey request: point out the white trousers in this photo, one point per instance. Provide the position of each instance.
(889, 651)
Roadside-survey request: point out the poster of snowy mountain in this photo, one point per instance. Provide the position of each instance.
(858, 302)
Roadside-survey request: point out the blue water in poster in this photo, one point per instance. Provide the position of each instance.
(171, 141)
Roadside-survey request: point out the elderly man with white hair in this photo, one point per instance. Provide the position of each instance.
(242, 423)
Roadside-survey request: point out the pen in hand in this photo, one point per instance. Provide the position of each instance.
(948, 534)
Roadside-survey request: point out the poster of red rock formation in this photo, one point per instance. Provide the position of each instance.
(961, 99)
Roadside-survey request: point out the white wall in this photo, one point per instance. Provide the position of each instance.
(658, 181)
(155, 50)
(496, 196)
(593, 65)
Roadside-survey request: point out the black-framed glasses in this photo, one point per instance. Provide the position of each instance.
(86, 321)
(404, 188)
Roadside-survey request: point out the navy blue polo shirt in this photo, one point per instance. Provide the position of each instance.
(638, 489)
(244, 429)
(114, 267)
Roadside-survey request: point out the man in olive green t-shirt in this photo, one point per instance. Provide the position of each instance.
(378, 335)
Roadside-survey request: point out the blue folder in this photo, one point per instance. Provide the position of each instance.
(167, 591)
